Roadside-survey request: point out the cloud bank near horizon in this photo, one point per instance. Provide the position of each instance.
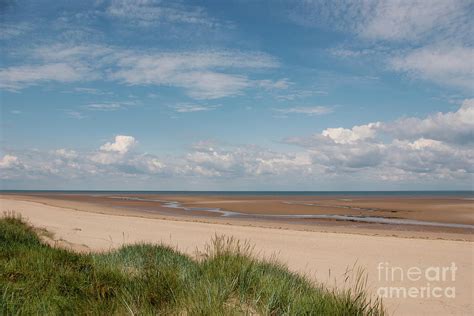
(435, 148)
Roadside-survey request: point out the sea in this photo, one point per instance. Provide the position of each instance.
(464, 193)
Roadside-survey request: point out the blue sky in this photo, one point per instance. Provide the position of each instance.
(237, 95)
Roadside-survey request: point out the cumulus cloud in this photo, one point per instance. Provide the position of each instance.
(246, 161)
(121, 145)
(9, 161)
(357, 133)
(452, 127)
(11, 167)
(431, 157)
(231, 163)
(153, 165)
(437, 147)
(65, 153)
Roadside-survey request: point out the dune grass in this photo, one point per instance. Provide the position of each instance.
(226, 279)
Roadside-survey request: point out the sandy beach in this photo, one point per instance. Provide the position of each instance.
(323, 256)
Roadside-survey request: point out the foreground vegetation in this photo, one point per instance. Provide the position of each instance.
(226, 279)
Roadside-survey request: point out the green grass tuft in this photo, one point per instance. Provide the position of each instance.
(227, 279)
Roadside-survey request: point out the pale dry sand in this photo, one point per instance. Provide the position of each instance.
(322, 256)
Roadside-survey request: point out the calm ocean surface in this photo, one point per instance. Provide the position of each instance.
(260, 193)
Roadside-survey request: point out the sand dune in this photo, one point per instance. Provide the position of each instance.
(322, 256)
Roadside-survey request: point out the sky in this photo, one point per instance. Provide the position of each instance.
(237, 95)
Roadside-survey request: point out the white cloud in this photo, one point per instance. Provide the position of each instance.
(416, 160)
(351, 53)
(122, 144)
(428, 40)
(247, 161)
(18, 77)
(91, 91)
(213, 158)
(149, 12)
(308, 110)
(186, 107)
(412, 19)
(422, 150)
(431, 157)
(202, 74)
(299, 94)
(154, 165)
(103, 106)
(142, 165)
(453, 127)
(450, 127)
(393, 20)
(105, 158)
(65, 153)
(8, 31)
(436, 147)
(75, 114)
(211, 85)
(109, 106)
(357, 133)
(201, 171)
(11, 167)
(277, 164)
(446, 65)
(9, 161)
(423, 143)
(75, 53)
(280, 84)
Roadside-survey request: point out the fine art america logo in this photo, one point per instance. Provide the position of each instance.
(416, 282)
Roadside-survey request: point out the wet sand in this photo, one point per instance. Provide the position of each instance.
(439, 209)
(444, 217)
(324, 257)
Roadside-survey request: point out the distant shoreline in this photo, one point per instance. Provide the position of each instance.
(468, 193)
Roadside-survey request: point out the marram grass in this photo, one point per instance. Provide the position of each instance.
(144, 279)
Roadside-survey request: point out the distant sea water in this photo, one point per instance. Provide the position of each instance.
(258, 193)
